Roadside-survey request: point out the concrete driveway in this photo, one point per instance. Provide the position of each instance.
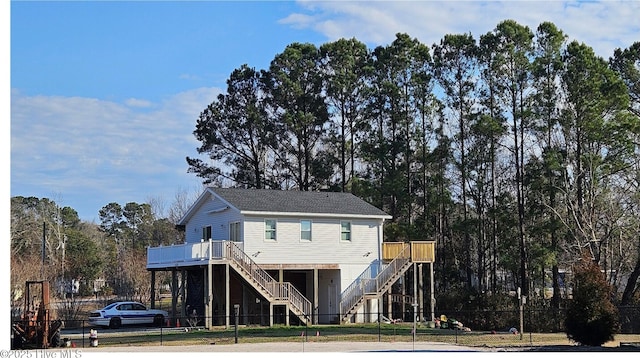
(298, 347)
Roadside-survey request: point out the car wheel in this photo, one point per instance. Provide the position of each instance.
(158, 320)
(115, 323)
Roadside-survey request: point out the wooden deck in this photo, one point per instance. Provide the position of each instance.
(420, 251)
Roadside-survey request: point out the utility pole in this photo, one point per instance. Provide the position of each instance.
(61, 245)
(521, 298)
(44, 248)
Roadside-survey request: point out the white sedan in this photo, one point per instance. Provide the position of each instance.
(121, 313)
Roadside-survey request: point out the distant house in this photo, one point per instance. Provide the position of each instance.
(279, 255)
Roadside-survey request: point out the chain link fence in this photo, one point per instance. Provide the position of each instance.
(472, 328)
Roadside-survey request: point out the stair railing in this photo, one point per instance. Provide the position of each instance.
(393, 268)
(278, 290)
(354, 292)
(364, 285)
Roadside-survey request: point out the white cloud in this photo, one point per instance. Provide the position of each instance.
(75, 145)
(603, 25)
(135, 102)
(298, 21)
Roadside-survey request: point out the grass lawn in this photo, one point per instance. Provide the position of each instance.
(353, 332)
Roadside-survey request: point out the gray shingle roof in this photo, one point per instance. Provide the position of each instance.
(293, 201)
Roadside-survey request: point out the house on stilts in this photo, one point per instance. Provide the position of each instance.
(282, 257)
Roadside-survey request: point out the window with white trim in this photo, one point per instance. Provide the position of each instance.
(345, 230)
(305, 230)
(234, 232)
(270, 229)
(206, 233)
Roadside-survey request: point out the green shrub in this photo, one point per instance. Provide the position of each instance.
(591, 319)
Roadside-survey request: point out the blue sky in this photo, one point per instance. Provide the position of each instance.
(104, 96)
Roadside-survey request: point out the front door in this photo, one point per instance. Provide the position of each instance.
(333, 302)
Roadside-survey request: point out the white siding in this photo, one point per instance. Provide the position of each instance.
(349, 272)
(218, 220)
(325, 246)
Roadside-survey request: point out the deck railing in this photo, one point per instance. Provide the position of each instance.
(390, 250)
(179, 254)
(187, 253)
(421, 251)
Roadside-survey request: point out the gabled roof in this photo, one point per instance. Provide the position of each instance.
(290, 202)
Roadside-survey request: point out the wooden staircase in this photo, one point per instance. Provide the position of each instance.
(365, 288)
(275, 292)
